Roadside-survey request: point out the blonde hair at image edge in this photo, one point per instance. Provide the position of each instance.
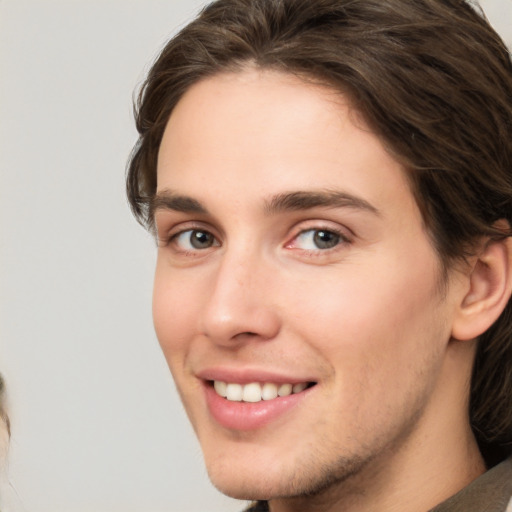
(5, 428)
(7, 504)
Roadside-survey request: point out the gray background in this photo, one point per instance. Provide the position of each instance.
(97, 425)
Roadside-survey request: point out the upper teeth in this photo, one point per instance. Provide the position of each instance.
(255, 392)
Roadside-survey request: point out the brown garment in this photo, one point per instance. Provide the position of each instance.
(491, 492)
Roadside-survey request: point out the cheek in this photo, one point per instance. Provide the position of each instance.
(380, 317)
(383, 340)
(174, 310)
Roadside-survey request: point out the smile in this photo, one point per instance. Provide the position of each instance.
(256, 392)
(243, 403)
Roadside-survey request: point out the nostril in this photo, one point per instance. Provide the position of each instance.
(247, 334)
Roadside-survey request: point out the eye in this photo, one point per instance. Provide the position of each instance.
(194, 239)
(314, 239)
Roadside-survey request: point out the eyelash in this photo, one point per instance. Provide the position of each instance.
(309, 235)
(174, 238)
(340, 240)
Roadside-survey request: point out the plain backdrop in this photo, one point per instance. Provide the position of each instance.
(97, 425)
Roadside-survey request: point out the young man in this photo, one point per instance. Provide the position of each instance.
(330, 184)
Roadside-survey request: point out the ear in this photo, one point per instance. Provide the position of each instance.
(489, 290)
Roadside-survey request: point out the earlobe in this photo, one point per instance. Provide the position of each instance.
(490, 288)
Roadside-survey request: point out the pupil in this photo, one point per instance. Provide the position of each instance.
(200, 239)
(326, 239)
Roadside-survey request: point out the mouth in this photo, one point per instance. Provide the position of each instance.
(254, 392)
(251, 399)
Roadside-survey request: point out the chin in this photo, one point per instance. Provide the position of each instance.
(243, 490)
(245, 483)
(259, 480)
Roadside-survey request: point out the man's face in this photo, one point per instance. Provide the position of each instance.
(292, 258)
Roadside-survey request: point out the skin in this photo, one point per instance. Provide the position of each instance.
(385, 427)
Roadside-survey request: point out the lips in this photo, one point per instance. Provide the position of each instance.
(247, 401)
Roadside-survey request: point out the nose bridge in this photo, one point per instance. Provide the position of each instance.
(240, 302)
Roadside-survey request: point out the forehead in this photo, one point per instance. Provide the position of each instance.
(254, 134)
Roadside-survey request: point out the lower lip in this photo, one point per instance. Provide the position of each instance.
(249, 415)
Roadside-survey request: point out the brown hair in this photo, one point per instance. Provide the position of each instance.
(434, 82)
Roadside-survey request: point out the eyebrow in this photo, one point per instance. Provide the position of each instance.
(304, 200)
(167, 200)
(286, 201)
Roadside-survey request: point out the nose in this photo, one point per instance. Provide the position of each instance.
(241, 305)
